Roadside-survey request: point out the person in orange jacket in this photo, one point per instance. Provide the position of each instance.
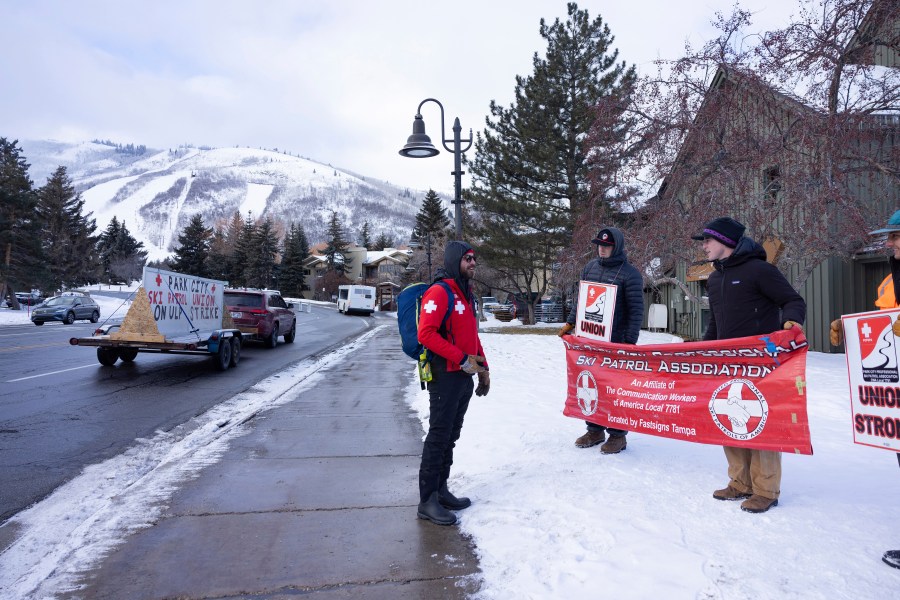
(886, 298)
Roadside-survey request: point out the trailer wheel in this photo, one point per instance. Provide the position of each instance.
(223, 357)
(235, 351)
(107, 356)
(128, 354)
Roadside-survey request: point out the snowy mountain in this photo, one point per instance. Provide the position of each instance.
(158, 191)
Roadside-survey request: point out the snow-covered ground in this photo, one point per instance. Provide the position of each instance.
(550, 520)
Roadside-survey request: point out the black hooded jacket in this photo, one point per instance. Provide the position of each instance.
(453, 254)
(616, 270)
(749, 296)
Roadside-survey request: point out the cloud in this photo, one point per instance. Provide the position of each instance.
(334, 80)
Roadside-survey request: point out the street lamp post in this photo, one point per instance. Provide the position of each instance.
(419, 145)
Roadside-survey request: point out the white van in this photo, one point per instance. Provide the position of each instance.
(356, 298)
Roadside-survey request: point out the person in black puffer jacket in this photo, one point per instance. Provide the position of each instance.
(612, 266)
(747, 296)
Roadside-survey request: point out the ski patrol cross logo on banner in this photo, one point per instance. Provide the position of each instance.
(739, 409)
(587, 393)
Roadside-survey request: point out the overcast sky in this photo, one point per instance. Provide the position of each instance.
(336, 81)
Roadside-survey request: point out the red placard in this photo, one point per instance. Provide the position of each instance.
(746, 392)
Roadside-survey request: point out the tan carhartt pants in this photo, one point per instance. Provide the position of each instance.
(754, 471)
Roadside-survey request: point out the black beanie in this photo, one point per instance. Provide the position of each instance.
(724, 229)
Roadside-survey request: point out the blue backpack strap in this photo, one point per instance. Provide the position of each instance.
(427, 355)
(449, 304)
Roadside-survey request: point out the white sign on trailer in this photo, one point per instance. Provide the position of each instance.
(184, 304)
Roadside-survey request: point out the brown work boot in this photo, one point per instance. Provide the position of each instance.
(758, 504)
(615, 445)
(591, 438)
(729, 493)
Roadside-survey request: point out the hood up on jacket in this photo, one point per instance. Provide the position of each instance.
(744, 251)
(453, 253)
(618, 255)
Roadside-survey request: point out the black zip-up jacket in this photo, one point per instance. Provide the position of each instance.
(629, 313)
(748, 296)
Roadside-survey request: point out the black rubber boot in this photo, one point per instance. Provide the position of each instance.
(450, 501)
(431, 510)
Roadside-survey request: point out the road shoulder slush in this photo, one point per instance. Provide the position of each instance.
(306, 484)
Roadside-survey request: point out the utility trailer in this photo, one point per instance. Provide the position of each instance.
(172, 313)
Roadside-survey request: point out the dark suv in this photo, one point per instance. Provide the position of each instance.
(262, 315)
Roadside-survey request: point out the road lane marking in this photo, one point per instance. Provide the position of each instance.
(50, 373)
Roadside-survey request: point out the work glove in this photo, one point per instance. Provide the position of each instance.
(565, 329)
(790, 324)
(837, 332)
(484, 384)
(472, 364)
(896, 326)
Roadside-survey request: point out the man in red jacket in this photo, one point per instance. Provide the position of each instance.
(456, 356)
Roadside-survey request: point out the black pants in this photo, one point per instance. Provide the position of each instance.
(595, 427)
(448, 395)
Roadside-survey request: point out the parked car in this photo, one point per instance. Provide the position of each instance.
(262, 315)
(489, 303)
(31, 298)
(67, 308)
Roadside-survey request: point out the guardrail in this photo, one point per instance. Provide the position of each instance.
(549, 313)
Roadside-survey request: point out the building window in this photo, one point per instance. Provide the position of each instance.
(771, 185)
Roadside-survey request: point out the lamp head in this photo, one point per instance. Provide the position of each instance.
(419, 145)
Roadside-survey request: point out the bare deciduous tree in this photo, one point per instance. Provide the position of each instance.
(795, 133)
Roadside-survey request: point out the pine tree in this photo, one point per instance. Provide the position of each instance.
(229, 248)
(192, 254)
(217, 264)
(263, 259)
(530, 172)
(243, 253)
(67, 236)
(122, 257)
(296, 250)
(335, 251)
(365, 236)
(20, 250)
(384, 240)
(432, 217)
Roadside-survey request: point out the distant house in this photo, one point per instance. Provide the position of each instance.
(365, 267)
(386, 265)
(837, 285)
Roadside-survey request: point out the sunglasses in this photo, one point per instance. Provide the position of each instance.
(469, 258)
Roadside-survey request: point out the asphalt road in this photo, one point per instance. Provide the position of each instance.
(60, 410)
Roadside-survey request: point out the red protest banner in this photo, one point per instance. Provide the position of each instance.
(746, 392)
